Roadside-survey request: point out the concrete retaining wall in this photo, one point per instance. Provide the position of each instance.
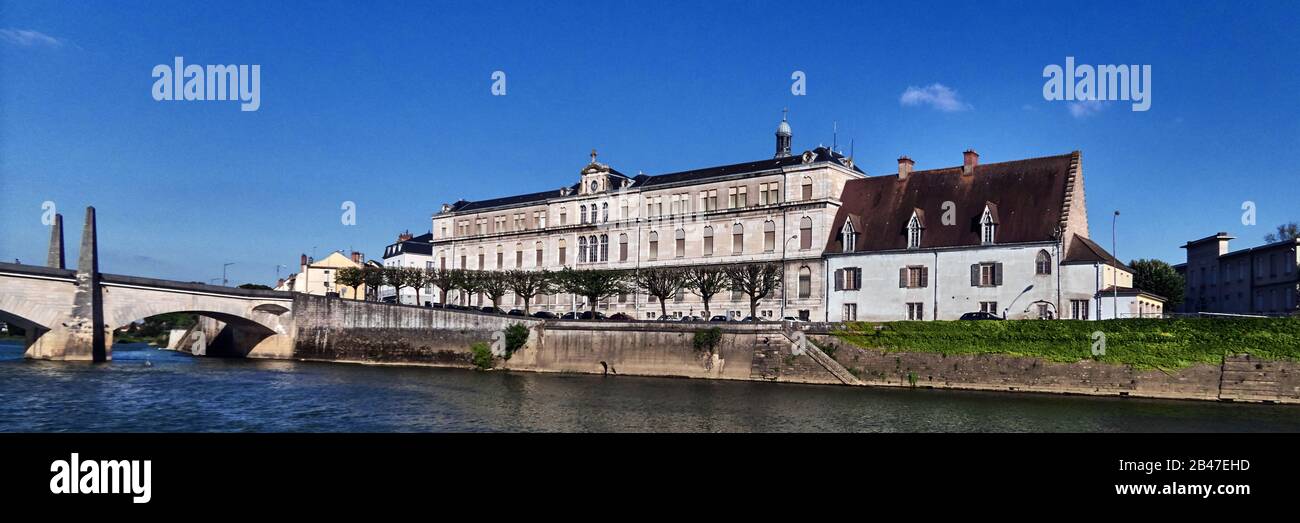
(1238, 378)
(331, 329)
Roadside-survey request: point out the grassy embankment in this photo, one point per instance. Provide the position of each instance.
(1146, 343)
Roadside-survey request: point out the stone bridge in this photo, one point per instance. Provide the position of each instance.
(71, 314)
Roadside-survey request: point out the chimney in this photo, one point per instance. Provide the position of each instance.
(404, 236)
(970, 159)
(904, 167)
(302, 260)
(279, 283)
(357, 257)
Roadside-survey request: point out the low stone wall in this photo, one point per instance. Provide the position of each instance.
(332, 329)
(1236, 379)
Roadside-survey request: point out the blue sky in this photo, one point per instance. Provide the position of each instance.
(390, 107)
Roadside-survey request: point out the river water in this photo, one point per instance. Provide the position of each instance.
(145, 389)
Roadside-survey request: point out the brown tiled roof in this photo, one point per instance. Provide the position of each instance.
(1027, 195)
(1084, 250)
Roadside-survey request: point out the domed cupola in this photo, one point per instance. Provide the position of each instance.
(783, 137)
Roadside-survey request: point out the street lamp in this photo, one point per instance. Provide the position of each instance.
(784, 288)
(224, 281)
(1114, 265)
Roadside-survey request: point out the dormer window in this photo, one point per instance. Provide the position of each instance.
(988, 227)
(914, 230)
(848, 238)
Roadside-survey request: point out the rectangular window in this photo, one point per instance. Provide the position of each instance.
(988, 274)
(849, 279)
(539, 257)
(850, 312)
(519, 259)
(914, 276)
(990, 307)
(681, 247)
(741, 197)
(731, 198)
(916, 311)
(762, 194)
(708, 245)
(774, 195)
(713, 199)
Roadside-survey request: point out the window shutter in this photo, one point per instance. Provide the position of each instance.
(839, 279)
(974, 275)
(902, 278)
(925, 276)
(997, 273)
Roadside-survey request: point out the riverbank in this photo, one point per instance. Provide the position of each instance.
(1214, 360)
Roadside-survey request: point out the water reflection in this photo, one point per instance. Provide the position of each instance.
(144, 389)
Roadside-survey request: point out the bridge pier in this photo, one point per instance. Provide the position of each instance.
(82, 335)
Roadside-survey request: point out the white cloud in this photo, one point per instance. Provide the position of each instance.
(1086, 108)
(937, 96)
(29, 38)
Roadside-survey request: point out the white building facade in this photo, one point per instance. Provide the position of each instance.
(1008, 239)
(409, 251)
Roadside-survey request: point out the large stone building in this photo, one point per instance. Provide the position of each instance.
(771, 210)
(1007, 238)
(1257, 280)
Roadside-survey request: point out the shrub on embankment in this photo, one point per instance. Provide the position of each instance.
(1147, 343)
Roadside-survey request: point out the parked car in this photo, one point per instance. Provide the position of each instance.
(389, 299)
(588, 315)
(545, 315)
(692, 318)
(719, 318)
(793, 319)
(569, 316)
(666, 317)
(516, 312)
(492, 310)
(751, 318)
(619, 316)
(971, 316)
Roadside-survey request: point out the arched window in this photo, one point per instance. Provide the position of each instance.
(805, 282)
(1043, 264)
(593, 213)
(541, 260)
(564, 216)
(622, 247)
(987, 227)
(848, 238)
(914, 230)
(563, 255)
(594, 254)
(805, 233)
(654, 245)
(806, 188)
(582, 214)
(582, 249)
(604, 212)
(737, 239)
(679, 240)
(708, 241)
(604, 247)
(501, 257)
(519, 255)
(769, 236)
